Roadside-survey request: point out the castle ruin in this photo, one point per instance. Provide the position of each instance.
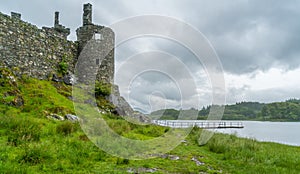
(47, 54)
(27, 50)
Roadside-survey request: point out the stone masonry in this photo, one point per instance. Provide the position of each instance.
(102, 36)
(27, 50)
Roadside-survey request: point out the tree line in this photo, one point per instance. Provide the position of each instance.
(288, 110)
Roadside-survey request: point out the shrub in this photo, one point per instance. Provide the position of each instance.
(217, 145)
(63, 68)
(102, 89)
(63, 65)
(34, 155)
(121, 161)
(120, 126)
(103, 104)
(66, 128)
(22, 130)
(151, 130)
(83, 138)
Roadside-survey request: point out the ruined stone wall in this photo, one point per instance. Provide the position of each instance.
(39, 53)
(26, 49)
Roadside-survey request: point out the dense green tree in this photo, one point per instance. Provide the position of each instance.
(277, 111)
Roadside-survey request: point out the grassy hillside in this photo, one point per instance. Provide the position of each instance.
(32, 143)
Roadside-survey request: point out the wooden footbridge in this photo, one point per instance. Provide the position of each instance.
(209, 124)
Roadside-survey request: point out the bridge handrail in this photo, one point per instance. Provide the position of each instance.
(201, 124)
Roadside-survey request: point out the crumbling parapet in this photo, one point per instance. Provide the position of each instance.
(27, 50)
(15, 15)
(60, 28)
(37, 52)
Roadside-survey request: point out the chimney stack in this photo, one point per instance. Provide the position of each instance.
(56, 19)
(87, 14)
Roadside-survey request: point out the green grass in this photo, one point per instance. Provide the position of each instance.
(42, 97)
(32, 143)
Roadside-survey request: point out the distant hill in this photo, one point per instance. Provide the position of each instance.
(281, 111)
(277, 111)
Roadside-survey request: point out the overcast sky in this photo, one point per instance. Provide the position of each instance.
(257, 42)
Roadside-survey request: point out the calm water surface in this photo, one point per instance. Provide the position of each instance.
(280, 132)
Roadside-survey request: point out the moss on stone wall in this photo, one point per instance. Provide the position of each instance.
(36, 52)
(41, 53)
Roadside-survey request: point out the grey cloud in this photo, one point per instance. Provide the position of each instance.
(271, 26)
(227, 25)
(163, 73)
(245, 93)
(247, 35)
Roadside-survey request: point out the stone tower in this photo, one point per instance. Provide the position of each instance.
(101, 35)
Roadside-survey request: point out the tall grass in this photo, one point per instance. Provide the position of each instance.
(254, 154)
(20, 130)
(31, 143)
(67, 127)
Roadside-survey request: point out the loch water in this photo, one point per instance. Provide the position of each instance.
(280, 132)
